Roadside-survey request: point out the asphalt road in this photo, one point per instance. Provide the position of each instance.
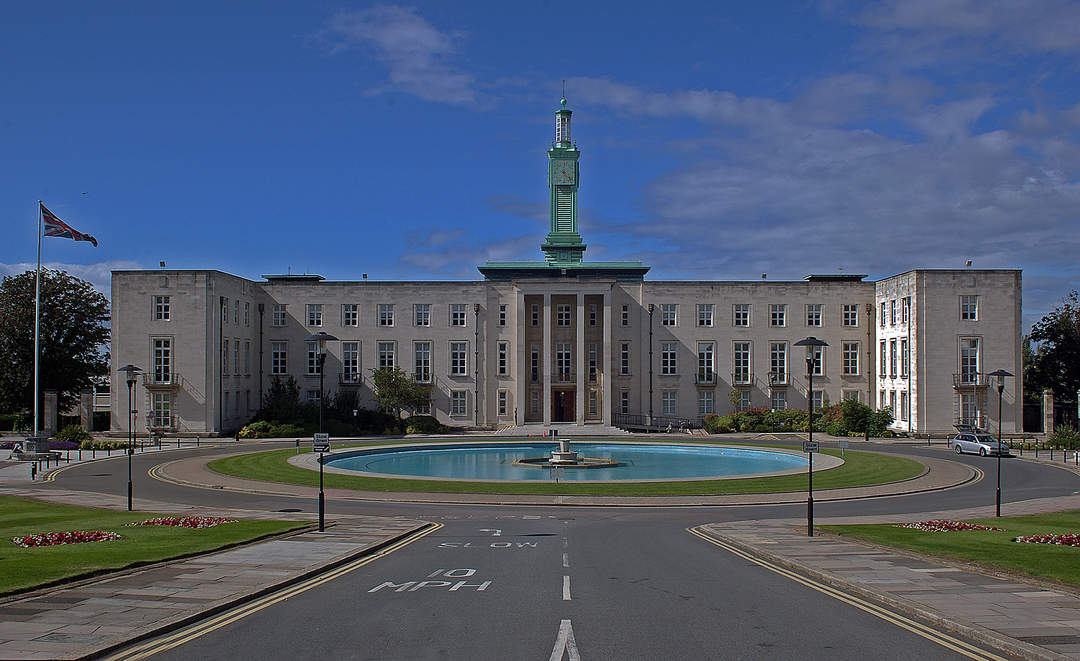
(516, 582)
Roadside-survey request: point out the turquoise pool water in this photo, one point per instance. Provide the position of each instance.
(488, 461)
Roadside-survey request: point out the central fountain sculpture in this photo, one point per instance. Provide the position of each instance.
(564, 457)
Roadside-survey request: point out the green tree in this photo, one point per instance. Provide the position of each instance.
(396, 391)
(74, 333)
(1055, 364)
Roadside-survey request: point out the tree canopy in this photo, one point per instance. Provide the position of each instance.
(74, 332)
(395, 391)
(1055, 360)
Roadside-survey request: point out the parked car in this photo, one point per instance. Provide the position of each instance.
(982, 444)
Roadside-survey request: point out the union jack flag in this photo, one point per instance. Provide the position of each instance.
(56, 227)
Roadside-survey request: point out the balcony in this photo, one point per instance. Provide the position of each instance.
(969, 380)
(979, 421)
(161, 423)
(164, 381)
(741, 378)
(778, 378)
(705, 378)
(350, 379)
(563, 376)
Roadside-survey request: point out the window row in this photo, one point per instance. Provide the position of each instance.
(741, 361)
(742, 315)
(386, 354)
(889, 312)
(457, 314)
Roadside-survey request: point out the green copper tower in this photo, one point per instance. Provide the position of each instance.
(563, 244)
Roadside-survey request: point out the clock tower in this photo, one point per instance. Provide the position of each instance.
(563, 244)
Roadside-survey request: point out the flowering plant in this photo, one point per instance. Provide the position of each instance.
(184, 521)
(66, 537)
(945, 525)
(1067, 539)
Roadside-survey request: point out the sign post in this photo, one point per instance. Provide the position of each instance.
(321, 444)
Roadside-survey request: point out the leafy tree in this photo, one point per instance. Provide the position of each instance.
(74, 332)
(396, 391)
(1055, 364)
(282, 403)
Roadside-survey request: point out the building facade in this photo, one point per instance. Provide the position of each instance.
(570, 341)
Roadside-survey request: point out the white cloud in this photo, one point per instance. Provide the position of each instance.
(98, 274)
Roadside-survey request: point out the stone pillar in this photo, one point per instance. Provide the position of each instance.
(86, 410)
(579, 361)
(49, 422)
(545, 359)
(606, 403)
(1048, 411)
(521, 359)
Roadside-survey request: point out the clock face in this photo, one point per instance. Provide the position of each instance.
(562, 172)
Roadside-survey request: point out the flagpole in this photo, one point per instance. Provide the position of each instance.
(37, 320)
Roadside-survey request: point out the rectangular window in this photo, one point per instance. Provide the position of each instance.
(705, 315)
(247, 357)
(247, 314)
(277, 315)
(236, 313)
(892, 312)
(312, 357)
(892, 401)
(740, 362)
(424, 408)
(740, 315)
(534, 403)
(744, 399)
(905, 358)
(422, 314)
(669, 314)
(881, 314)
(162, 360)
(162, 308)
(592, 362)
(458, 351)
(502, 314)
(884, 361)
(503, 398)
(387, 357)
(850, 394)
(422, 362)
(905, 309)
(670, 401)
(534, 364)
(593, 402)
(386, 314)
(314, 396)
(562, 315)
(669, 358)
(504, 358)
(624, 358)
(457, 402)
(813, 314)
(705, 402)
(350, 314)
(224, 356)
(969, 308)
(778, 362)
(903, 405)
(969, 360)
(592, 314)
(850, 316)
(224, 310)
(778, 400)
(314, 314)
(625, 319)
(778, 315)
(278, 358)
(706, 362)
(534, 315)
(851, 358)
(819, 399)
(892, 359)
(883, 403)
(350, 361)
(624, 401)
(818, 354)
(563, 361)
(969, 409)
(457, 314)
(161, 414)
(236, 357)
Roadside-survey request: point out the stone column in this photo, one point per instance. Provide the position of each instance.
(606, 403)
(579, 360)
(50, 413)
(521, 360)
(1048, 411)
(86, 410)
(545, 359)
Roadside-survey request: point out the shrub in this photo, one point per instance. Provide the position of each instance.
(100, 444)
(266, 429)
(1065, 438)
(424, 424)
(15, 421)
(72, 434)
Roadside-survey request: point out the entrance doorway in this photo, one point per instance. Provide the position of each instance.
(562, 406)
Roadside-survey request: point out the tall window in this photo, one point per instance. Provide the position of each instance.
(778, 314)
(705, 315)
(247, 314)
(969, 360)
(236, 357)
(778, 361)
(314, 314)
(592, 314)
(502, 314)
(706, 371)
(625, 315)
(224, 310)
(778, 400)
(903, 405)
(457, 314)
(593, 402)
(624, 358)
(224, 356)
(534, 364)
(502, 402)
(277, 315)
(534, 402)
(813, 314)
(969, 308)
(562, 314)
(851, 358)
(386, 314)
(892, 359)
(705, 402)
(534, 318)
(422, 362)
(162, 360)
(892, 312)
(881, 315)
(850, 315)
(905, 358)
(669, 314)
(312, 357)
(563, 361)
(247, 357)
(504, 358)
(884, 364)
(422, 314)
(350, 315)
(969, 409)
(236, 312)
(740, 315)
(386, 352)
(624, 401)
(744, 399)
(669, 358)
(818, 354)
(592, 362)
(162, 308)
(458, 351)
(905, 309)
(670, 402)
(161, 413)
(350, 360)
(741, 362)
(278, 358)
(457, 402)
(819, 399)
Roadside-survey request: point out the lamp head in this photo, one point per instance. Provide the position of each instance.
(130, 372)
(320, 339)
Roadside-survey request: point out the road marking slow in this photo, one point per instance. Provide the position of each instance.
(565, 560)
(565, 643)
(931, 634)
(566, 588)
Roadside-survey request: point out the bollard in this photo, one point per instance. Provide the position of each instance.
(80, 453)
(33, 470)
(196, 440)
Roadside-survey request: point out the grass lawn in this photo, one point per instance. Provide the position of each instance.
(988, 548)
(25, 568)
(860, 469)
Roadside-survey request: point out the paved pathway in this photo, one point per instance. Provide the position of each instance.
(1026, 618)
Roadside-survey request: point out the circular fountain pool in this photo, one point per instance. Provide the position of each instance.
(636, 461)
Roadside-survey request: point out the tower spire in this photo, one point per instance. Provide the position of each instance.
(563, 244)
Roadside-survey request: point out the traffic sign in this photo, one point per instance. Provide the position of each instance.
(810, 446)
(841, 444)
(321, 443)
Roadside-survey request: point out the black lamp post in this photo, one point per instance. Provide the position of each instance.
(320, 339)
(812, 344)
(131, 372)
(1000, 374)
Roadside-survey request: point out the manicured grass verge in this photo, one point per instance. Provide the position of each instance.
(860, 469)
(22, 569)
(988, 548)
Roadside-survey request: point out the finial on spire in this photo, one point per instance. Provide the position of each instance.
(562, 102)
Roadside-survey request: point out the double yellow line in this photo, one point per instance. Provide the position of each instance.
(204, 627)
(929, 633)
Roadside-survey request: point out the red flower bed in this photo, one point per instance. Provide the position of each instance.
(945, 525)
(185, 521)
(66, 537)
(1067, 539)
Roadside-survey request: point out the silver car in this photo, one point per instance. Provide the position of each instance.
(982, 444)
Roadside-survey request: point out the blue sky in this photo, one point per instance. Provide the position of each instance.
(719, 140)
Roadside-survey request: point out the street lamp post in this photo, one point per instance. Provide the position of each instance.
(320, 339)
(812, 345)
(131, 373)
(1000, 374)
